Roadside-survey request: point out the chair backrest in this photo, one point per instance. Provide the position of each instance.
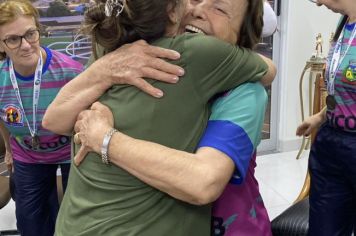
(5, 195)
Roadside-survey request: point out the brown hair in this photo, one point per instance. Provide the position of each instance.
(140, 19)
(251, 28)
(340, 28)
(10, 10)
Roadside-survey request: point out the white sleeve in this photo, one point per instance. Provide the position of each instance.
(269, 20)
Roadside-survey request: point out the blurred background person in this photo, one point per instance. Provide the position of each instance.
(30, 78)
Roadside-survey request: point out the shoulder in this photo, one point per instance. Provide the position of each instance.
(64, 61)
(252, 95)
(205, 47)
(202, 50)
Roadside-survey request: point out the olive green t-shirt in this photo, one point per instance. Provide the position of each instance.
(105, 199)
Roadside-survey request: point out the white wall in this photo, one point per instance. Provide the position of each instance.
(299, 23)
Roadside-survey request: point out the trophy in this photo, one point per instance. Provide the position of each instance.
(317, 91)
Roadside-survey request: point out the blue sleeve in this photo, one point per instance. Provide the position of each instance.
(235, 125)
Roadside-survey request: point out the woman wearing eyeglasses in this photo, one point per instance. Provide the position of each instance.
(30, 77)
(332, 160)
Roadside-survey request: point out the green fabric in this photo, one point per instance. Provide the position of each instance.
(106, 200)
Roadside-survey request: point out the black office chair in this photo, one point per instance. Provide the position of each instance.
(5, 192)
(5, 197)
(294, 221)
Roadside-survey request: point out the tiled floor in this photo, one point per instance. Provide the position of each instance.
(280, 176)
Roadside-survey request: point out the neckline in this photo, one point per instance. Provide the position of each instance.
(44, 69)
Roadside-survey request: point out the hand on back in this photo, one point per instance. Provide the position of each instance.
(131, 63)
(91, 127)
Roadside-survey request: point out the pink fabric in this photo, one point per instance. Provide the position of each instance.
(240, 210)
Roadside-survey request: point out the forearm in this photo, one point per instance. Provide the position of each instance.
(195, 178)
(74, 97)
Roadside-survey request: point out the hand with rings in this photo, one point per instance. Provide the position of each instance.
(91, 127)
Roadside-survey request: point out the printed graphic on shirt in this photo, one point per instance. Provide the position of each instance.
(350, 73)
(234, 128)
(343, 117)
(12, 115)
(219, 226)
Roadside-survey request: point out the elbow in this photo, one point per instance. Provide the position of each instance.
(204, 198)
(208, 191)
(47, 124)
(269, 76)
(50, 124)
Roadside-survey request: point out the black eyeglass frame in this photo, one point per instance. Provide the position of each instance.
(23, 37)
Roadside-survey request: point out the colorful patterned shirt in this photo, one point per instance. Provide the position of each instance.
(344, 115)
(58, 69)
(235, 128)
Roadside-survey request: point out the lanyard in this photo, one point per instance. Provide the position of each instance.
(337, 59)
(36, 93)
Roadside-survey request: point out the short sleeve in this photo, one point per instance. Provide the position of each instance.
(217, 66)
(235, 125)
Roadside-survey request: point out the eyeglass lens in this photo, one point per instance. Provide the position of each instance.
(15, 41)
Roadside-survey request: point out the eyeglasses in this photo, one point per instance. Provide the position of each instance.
(15, 41)
(313, 1)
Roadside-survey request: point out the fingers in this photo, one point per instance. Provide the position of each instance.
(154, 61)
(81, 116)
(159, 72)
(164, 66)
(147, 88)
(77, 126)
(103, 112)
(98, 106)
(158, 51)
(300, 130)
(308, 131)
(303, 129)
(80, 156)
(76, 139)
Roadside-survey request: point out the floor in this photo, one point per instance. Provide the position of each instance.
(280, 176)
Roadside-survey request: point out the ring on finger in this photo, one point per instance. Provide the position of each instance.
(77, 139)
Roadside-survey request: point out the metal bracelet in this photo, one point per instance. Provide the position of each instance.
(104, 148)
